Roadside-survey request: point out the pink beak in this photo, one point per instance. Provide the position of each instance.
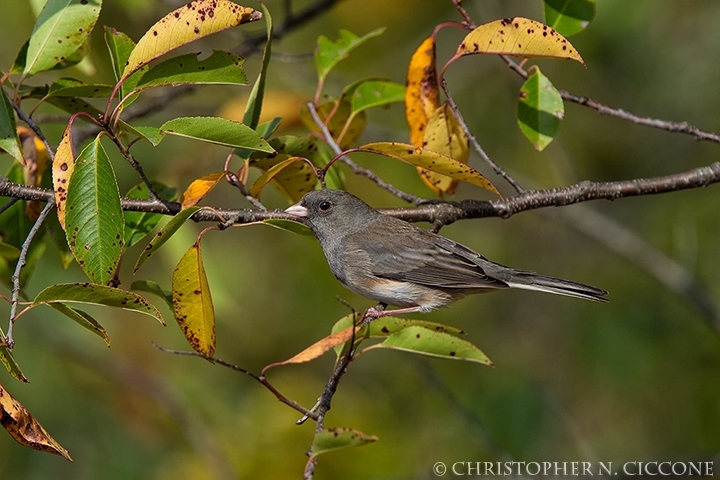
(297, 210)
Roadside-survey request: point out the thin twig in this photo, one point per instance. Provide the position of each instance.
(125, 152)
(260, 378)
(8, 204)
(357, 169)
(21, 263)
(496, 168)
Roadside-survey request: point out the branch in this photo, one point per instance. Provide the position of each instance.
(444, 212)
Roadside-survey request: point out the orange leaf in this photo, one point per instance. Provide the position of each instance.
(316, 349)
(63, 166)
(422, 96)
(24, 428)
(199, 188)
(518, 36)
(444, 135)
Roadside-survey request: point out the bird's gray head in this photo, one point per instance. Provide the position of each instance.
(333, 212)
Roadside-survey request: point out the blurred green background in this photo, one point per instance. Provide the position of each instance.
(637, 379)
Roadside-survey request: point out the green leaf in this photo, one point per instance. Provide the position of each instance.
(540, 109)
(220, 68)
(19, 63)
(9, 140)
(376, 93)
(8, 361)
(154, 135)
(438, 344)
(83, 319)
(94, 221)
(217, 130)
(328, 53)
(69, 87)
(330, 439)
(9, 252)
(192, 302)
(164, 234)
(152, 287)
(255, 100)
(139, 224)
(97, 295)
(289, 226)
(120, 47)
(569, 16)
(386, 326)
(61, 28)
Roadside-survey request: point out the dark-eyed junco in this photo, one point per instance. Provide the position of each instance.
(396, 263)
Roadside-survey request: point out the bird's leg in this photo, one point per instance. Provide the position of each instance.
(379, 311)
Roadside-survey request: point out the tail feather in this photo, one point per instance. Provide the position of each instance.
(540, 283)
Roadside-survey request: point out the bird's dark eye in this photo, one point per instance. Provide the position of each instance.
(325, 206)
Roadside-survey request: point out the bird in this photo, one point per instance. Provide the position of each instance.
(393, 262)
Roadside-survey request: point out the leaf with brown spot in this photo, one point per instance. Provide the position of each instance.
(24, 428)
(417, 339)
(422, 95)
(192, 303)
(520, 37)
(330, 439)
(200, 187)
(445, 135)
(430, 160)
(97, 295)
(186, 24)
(63, 165)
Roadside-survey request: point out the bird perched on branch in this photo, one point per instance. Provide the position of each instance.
(395, 263)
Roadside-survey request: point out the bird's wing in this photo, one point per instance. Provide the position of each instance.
(407, 253)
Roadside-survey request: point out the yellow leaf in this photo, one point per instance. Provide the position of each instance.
(336, 125)
(24, 428)
(444, 135)
(197, 19)
(63, 166)
(192, 302)
(422, 96)
(36, 159)
(270, 174)
(317, 349)
(199, 188)
(430, 160)
(518, 36)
